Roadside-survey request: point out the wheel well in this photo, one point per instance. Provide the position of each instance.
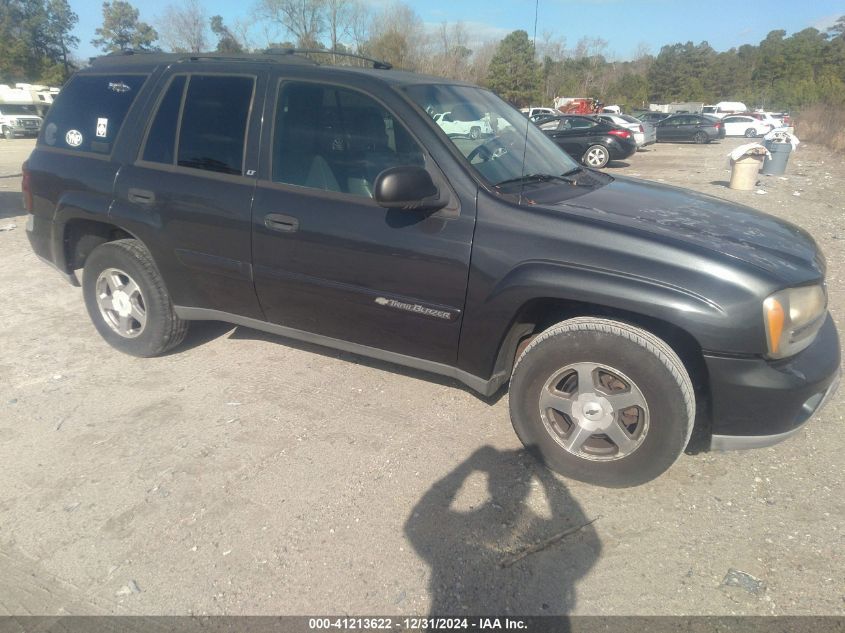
(539, 314)
(83, 236)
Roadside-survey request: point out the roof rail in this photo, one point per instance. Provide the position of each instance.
(377, 64)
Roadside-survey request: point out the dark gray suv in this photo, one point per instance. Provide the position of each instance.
(325, 204)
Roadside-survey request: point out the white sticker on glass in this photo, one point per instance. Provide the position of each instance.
(102, 128)
(73, 138)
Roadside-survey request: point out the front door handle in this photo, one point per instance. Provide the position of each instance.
(141, 196)
(280, 222)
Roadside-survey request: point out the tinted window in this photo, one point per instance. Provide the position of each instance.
(162, 137)
(214, 123)
(579, 123)
(89, 111)
(332, 138)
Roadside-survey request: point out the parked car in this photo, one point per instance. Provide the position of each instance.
(697, 128)
(724, 108)
(531, 112)
(589, 139)
(644, 132)
(18, 120)
(323, 204)
(743, 125)
(651, 117)
(765, 117)
(473, 129)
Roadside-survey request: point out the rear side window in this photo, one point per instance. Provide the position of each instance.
(161, 142)
(214, 121)
(89, 112)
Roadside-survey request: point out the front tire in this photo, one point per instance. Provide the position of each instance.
(128, 302)
(475, 133)
(750, 133)
(8, 134)
(596, 156)
(602, 401)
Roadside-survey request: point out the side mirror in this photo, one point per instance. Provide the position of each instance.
(407, 187)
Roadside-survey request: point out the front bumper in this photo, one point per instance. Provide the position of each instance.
(21, 130)
(757, 403)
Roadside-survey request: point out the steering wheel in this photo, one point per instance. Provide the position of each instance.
(487, 151)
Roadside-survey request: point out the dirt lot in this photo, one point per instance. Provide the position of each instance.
(245, 474)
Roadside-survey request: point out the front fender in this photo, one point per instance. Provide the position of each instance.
(588, 289)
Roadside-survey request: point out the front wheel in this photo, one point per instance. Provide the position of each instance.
(8, 134)
(474, 132)
(596, 156)
(750, 133)
(602, 401)
(127, 301)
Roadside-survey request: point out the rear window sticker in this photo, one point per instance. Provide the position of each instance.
(73, 138)
(102, 128)
(118, 86)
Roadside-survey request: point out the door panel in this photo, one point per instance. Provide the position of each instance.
(188, 192)
(337, 264)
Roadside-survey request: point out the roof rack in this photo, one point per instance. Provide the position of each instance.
(376, 63)
(130, 56)
(286, 55)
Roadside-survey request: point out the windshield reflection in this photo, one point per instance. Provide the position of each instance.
(500, 143)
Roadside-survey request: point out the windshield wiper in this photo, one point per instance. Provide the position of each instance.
(537, 178)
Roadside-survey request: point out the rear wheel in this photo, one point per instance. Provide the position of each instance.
(596, 156)
(127, 301)
(750, 133)
(474, 132)
(701, 138)
(602, 401)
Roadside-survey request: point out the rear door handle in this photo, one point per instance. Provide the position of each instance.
(280, 222)
(141, 196)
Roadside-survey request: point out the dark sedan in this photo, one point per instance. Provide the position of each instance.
(588, 139)
(651, 117)
(697, 128)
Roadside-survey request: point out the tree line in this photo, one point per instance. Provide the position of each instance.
(781, 72)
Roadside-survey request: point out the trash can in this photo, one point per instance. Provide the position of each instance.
(775, 163)
(744, 172)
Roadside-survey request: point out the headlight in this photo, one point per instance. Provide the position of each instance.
(793, 317)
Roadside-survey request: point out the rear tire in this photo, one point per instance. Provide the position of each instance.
(474, 133)
(701, 138)
(128, 302)
(596, 156)
(629, 398)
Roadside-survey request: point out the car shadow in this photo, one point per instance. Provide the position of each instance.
(11, 204)
(617, 164)
(720, 183)
(246, 333)
(520, 551)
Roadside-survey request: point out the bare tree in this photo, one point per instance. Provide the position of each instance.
(305, 20)
(184, 27)
(359, 18)
(338, 21)
(397, 36)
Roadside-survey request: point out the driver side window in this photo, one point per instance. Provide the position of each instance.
(336, 139)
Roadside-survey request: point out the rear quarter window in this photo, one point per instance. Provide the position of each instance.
(89, 112)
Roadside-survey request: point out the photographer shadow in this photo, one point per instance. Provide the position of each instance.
(516, 553)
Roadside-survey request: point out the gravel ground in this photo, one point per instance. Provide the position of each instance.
(245, 474)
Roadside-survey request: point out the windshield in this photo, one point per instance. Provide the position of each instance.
(17, 109)
(491, 134)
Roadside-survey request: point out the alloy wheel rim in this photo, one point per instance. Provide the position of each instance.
(121, 303)
(596, 157)
(594, 412)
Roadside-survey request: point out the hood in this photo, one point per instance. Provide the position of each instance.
(704, 221)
